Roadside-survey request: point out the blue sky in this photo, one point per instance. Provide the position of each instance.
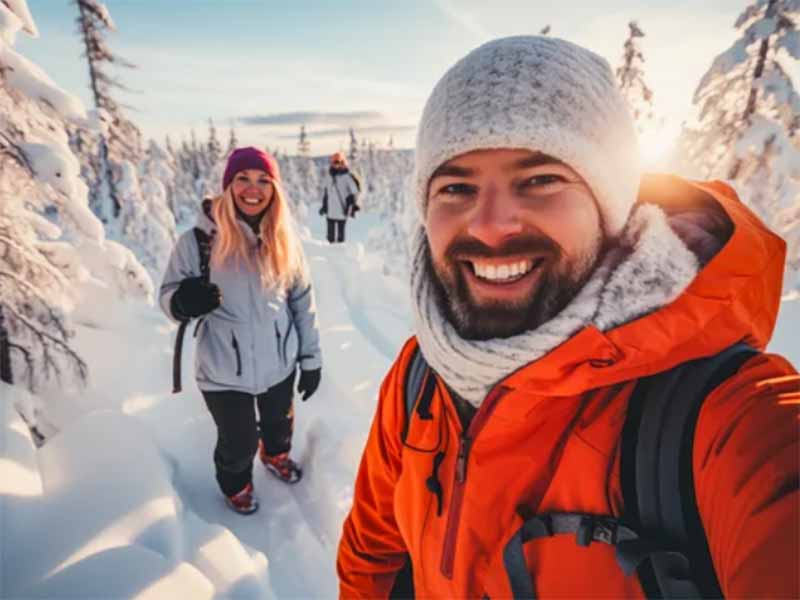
(267, 66)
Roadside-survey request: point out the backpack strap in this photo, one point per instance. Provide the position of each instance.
(658, 478)
(660, 536)
(418, 389)
(586, 528)
(204, 241)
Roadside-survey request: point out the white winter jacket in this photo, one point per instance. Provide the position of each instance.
(336, 189)
(256, 337)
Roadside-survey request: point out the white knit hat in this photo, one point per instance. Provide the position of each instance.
(538, 93)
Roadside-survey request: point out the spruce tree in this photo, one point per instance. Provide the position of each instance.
(120, 139)
(630, 75)
(749, 116)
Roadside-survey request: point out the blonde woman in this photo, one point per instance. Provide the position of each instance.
(257, 321)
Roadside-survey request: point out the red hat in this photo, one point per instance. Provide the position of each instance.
(250, 158)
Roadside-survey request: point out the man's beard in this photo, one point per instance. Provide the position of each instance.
(558, 284)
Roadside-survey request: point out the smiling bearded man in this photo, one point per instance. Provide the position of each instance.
(562, 304)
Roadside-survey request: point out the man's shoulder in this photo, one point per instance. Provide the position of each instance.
(394, 382)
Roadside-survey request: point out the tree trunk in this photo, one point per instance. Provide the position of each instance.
(105, 166)
(750, 109)
(5, 352)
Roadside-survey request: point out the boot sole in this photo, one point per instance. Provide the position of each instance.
(277, 474)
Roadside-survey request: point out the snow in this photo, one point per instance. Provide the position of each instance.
(128, 481)
(14, 15)
(32, 81)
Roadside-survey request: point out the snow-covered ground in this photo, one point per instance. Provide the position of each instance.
(126, 489)
(122, 503)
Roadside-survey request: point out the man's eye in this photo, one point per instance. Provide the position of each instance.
(457, 189)
(542, 180)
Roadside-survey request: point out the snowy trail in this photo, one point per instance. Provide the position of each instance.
(362, 323)
(299, 525)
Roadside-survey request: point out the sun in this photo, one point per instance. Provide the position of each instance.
(656, 144)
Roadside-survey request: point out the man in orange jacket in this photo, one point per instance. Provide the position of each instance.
(548, 278)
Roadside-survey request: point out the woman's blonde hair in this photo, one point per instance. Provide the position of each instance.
(279, 257)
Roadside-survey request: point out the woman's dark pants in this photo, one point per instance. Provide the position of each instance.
(238, 431)
(335, 230)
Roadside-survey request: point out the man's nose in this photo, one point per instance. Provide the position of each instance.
(494, 217)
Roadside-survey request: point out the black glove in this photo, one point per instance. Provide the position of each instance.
(194, 297)
(322, 210)
(309, 382)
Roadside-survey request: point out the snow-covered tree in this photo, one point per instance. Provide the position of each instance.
(213, 147)
(233, 142)
(120, 139)
(159, 164)
(353, 154)
(749, 116)
(630, 76)
(85, 144)
(147, 223)
(303, 145)
(746, 80)
(53, 255)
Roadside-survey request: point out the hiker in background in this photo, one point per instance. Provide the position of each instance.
(242, 272)
(339, 197)
(533, 439)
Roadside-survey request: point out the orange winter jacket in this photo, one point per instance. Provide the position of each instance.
(548, 440)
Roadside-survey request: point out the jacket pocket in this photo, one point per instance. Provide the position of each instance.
(235, 344)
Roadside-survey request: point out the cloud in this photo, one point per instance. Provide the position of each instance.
(328, 133)
(311, 118)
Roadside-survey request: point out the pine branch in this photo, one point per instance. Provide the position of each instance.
(34, 257)
(18, 155)
(55, 319)
(43, 337)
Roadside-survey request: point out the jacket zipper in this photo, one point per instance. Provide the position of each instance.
(238, 355)
(286, 343)
(465, 443)
(280, 346)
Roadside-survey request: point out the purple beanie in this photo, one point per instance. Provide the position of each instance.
(250, 158)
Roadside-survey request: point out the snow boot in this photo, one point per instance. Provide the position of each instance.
(243, 502)
(280, 465)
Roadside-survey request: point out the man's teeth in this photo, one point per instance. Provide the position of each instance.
(513, 270)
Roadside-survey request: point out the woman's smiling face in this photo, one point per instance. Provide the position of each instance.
(252, 191)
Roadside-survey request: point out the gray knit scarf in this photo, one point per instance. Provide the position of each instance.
(648, 268)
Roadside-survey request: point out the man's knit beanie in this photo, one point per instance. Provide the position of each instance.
(541, 94)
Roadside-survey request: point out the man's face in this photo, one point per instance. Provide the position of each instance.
(252, 191)
(513, 237)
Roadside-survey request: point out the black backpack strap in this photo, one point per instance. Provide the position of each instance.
(204, 249)
(587, 528)
(672, 558)
(418, 388)
(204, 241)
